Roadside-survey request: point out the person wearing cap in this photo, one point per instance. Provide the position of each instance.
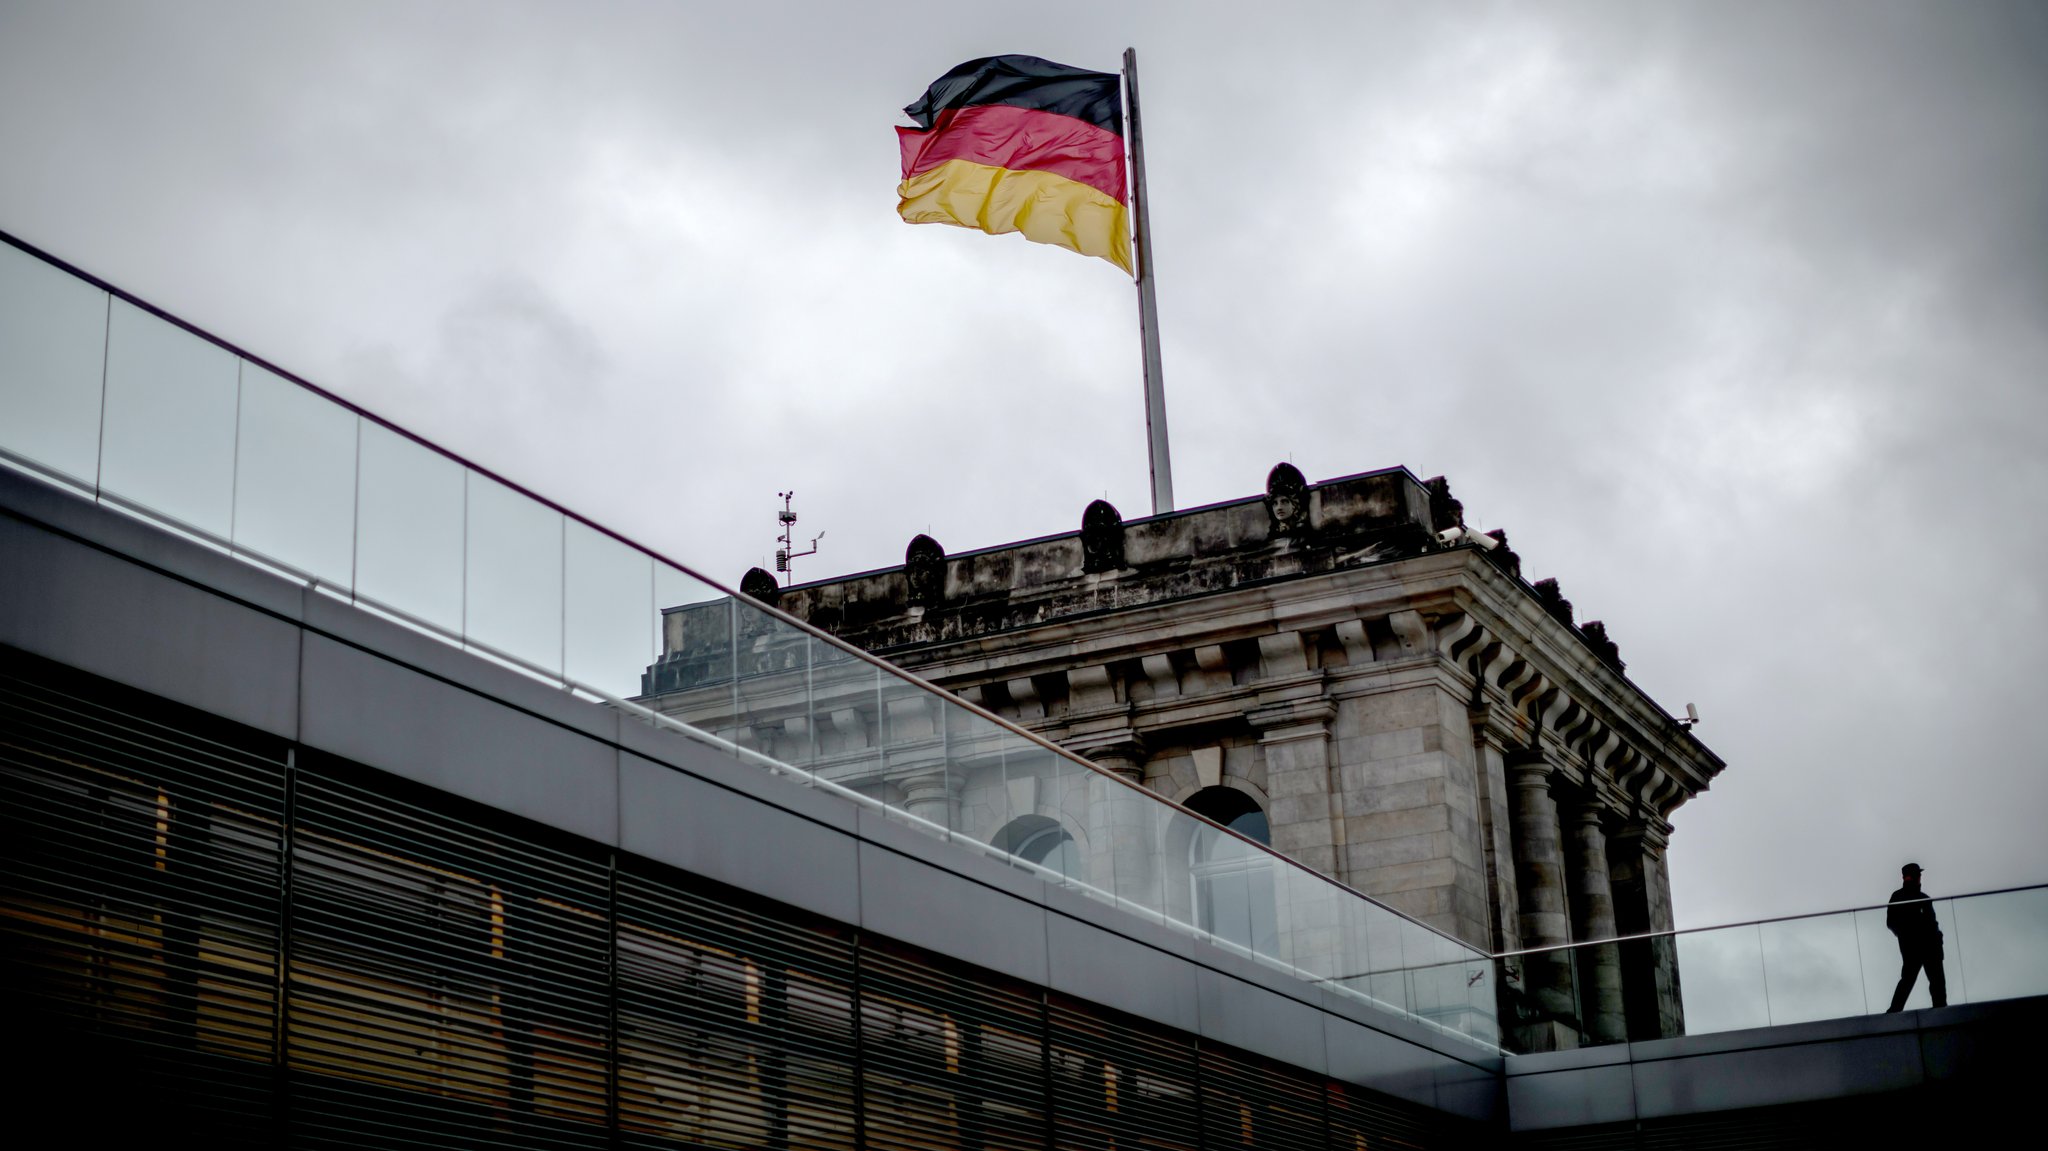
(1911, 918)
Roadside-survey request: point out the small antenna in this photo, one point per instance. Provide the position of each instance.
(787, 518)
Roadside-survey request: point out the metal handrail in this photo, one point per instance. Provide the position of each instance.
(773, 612)
(1676, 931)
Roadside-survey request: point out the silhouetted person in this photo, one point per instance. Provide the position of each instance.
(1911, 918)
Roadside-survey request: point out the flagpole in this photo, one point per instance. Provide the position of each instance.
(1148, 304)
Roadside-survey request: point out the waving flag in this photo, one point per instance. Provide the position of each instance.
(1020, 144)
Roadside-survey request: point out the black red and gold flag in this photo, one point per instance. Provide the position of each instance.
(1020, 144)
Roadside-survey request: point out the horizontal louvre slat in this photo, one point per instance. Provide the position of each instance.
(735, 1026)
(139, 894)
(460, 965)
(457, 977)
(1118, 1082)
(951, 1057)
(1250, 1102)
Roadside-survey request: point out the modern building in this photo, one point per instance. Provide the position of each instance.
(325, 821)
(1343, 670)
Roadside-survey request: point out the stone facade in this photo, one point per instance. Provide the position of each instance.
(1414, 719)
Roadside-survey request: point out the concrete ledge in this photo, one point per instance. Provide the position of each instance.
(369, 709)
(70, 601)
(1982, 1044)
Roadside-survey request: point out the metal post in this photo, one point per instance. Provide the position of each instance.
(1148, 305)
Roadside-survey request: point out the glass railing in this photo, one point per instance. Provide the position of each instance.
(1769, 973)
(104, 395)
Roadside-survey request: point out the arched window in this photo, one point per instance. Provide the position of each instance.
(1233, 809)
(1233, 881)
(1040, 839)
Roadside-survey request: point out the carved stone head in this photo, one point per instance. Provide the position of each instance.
(924, 565)
(1102, 538)
(1287, 499)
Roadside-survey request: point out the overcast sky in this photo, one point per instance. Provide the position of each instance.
(1734, 316)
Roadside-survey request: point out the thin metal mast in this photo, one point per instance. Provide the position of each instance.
(1148, 304)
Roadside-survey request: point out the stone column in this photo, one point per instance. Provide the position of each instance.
(1642, 903)
(1592, 905)
(1544, 1016)
(932, 795)
(1119, 836)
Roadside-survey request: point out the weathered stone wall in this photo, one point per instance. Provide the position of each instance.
(1414, 718)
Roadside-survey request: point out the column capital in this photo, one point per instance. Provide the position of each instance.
(1651, 836)
(1292, 719)
(1586, 810)
(1123, 756)
(1528, 768)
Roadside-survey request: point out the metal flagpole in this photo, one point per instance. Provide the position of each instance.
(1148, 304)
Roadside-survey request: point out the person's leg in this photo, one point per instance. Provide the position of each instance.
(1909, 970)
(1937, 981)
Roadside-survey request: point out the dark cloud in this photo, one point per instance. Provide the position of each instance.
(1732, 316)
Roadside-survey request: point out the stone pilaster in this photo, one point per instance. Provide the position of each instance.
(1544, 1015)
(1489, 769)
(1642, 904)
(1120, 847)
(1592, 907)
(1294, 737)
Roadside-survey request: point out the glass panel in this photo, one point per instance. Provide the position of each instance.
(773, 695)
(979, 747)
(1178, 835)
(1036, 831)
(512, 574)
(844, 710)
(1996, 944)
(1813, 969)
(295, 477)
(1877, 954)
(1075, 788)
(1882, 961)
(1268, 905)
(1125, 814)
(169, 438)
(1314, 938)
(1221, 870)
(607, 612)
(1351, 966)
(53, 343)
(1389, 984)
(1424, 951)
(408, 528)
(1482, 1002)
(1723, 973)
(691, 679)
(914, 752)
(1957, 989)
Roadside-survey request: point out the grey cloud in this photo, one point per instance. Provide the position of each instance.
(1730, 315)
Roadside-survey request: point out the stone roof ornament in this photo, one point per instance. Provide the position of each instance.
(1446, 511)
(1287, 499)
(1552, 598)
(924, 566)
(1596, 638)
(1504, 557)
(759, 585)
(1102, 537)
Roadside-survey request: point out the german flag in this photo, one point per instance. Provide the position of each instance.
(1019, 144)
